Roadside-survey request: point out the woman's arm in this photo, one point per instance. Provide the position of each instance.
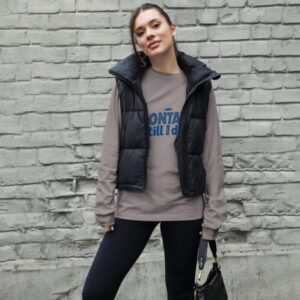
(215, 209)
(105, 204)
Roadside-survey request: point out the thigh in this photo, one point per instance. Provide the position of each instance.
(181, 242)
(118, 251)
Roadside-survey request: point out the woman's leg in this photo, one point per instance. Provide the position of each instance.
(117, 253)
(180, 241)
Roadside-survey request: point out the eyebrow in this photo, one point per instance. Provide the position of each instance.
(151, 21)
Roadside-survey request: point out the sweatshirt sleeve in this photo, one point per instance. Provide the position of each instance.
(215, 210)
(106, 184)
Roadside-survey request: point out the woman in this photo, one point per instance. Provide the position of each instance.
(162, 151)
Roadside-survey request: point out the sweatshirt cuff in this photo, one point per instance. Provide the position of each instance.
(107, 220)
(209, 234)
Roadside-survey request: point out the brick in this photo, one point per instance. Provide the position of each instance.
(120, 52)
(79, 21)
(13, 37)
(291, 80)
(282, 32)
(236, 3)
(261, 96)
(233, 178)
(290, 15)
(43, 6)
(215, 3)
(208, 50)
(228, 82)
(101, 86)
(25, 21)
(250, 15)
(119, 20)
(291, 111)
(296, 31)
(67, 5)
(263, 81)
(259, 237)
(286, 48)
(56, 155)
(285, 96)
(191, 34)
(259, 144)
(185, 17)
(286, 236)
(207, 16)
(266, 2)
(99, 118)
(231, 65)
(91, 135)
(59, 121)
(255, 48)
(8, 72)
(42, 86)
(293, 64)
(10, 125)
(48, 38)
(80, 119)
(79, 86)
(261, 112)
(32, 53)
(263, 64)
(238, 193)
(94, 5)
(191, 48)
(25, 104)
(17, 6)
(7, 253)
(101, 53)
(261, 31)
(229, 32)
(230, 49)
(35, 122)
(99, 36)
(23, 73)
(183, 3)
(270, 15)
(95, 70)
(94, 102)
(244, 129)
(8, 107)
(234, 97)
(259, 128)
(77, 54)
(229, 16)
(8, 158)
(55, 71)
(286, 128)
(234, 129)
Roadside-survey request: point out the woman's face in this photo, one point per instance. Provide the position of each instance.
(153, 35)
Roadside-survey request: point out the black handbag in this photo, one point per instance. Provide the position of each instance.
(213, 288)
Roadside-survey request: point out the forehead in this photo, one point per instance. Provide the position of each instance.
(145, 16)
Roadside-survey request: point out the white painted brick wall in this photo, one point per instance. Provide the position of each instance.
(55, 90)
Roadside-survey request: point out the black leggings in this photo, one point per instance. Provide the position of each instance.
(121, 247)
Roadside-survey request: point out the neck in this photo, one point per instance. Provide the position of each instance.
(166, 63)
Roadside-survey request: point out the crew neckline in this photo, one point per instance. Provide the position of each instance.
(164, 74)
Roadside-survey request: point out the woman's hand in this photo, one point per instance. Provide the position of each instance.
(108, 227)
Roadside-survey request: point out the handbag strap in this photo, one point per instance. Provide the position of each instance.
(202, 253)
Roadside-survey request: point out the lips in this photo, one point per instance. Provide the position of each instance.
(155, 43)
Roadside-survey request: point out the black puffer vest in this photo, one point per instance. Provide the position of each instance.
(134, 137)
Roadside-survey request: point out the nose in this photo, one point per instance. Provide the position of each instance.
(149, 34)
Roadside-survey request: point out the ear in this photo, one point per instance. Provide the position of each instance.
(173, 29)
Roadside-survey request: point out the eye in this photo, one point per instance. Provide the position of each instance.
(139, 33)
(156, 25)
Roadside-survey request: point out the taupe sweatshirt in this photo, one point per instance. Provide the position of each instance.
(162, 199)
